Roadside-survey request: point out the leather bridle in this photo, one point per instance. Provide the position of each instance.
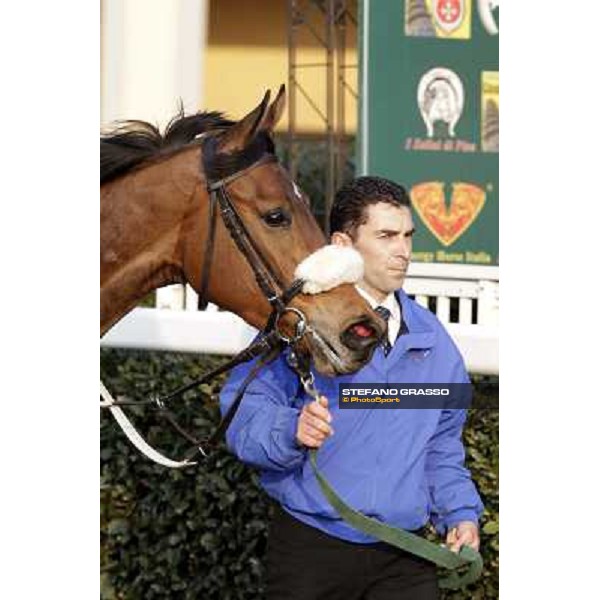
(219, 174)
(258, 153)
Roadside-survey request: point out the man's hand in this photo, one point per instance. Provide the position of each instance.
(465, 533)
(313, 424)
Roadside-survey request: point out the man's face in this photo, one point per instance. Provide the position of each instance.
(385, 243)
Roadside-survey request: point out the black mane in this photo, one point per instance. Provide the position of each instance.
(133, 142)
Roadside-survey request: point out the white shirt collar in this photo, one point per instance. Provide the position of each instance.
(391, 303)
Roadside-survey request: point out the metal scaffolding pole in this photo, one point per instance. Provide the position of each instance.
(330, 134)
(324, 22)
(346, 86)
(340, 138)
(292, 45)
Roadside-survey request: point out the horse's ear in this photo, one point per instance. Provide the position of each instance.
(275, 111)
(238, 135)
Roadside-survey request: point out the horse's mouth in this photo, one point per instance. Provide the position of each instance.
(328, 359)
(328, 353)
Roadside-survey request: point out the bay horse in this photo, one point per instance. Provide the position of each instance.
(155, 229)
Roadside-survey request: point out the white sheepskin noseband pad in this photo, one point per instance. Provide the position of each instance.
(329, 267)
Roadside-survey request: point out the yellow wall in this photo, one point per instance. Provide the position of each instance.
(247, 53)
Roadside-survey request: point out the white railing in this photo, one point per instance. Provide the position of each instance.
(467, 307)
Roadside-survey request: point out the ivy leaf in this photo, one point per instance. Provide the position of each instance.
(491, 527)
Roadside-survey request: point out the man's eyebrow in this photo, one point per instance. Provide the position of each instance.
(396, 231)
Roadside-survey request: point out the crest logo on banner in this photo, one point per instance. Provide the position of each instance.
(447, 19)
(449, 14)
(490, 111)
(441, 97)
(447, 223)
(486, 10)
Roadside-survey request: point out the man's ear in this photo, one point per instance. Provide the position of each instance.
(339, 238)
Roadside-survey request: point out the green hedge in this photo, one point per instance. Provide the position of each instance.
(201, 532)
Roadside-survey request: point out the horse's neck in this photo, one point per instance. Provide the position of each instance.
(141, 220)
(146, 272)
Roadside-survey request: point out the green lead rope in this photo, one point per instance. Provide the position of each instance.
(405, 540)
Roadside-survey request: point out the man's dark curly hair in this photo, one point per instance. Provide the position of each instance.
(348, 210)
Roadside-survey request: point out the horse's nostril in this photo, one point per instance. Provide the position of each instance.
(360, 336)
(362, 330)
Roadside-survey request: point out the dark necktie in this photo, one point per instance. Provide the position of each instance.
(385, 314)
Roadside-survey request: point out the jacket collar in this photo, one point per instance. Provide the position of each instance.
(420, 333)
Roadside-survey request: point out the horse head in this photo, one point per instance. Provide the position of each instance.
(172, 232)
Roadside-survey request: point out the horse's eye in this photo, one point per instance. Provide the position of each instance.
(276, 218)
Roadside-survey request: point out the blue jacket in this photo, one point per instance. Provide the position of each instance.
(400, 466)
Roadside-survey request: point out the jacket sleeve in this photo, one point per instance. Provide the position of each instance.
(453, 493)
(263, 431)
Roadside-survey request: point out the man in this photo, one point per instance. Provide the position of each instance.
(402, 467)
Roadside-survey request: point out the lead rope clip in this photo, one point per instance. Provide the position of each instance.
(308, 383)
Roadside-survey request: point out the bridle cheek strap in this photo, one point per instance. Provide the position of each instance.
(208, 253)
(220, 169)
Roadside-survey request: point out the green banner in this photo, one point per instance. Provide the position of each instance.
(429, 119)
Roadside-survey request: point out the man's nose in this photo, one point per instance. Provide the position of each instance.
(402, 248)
